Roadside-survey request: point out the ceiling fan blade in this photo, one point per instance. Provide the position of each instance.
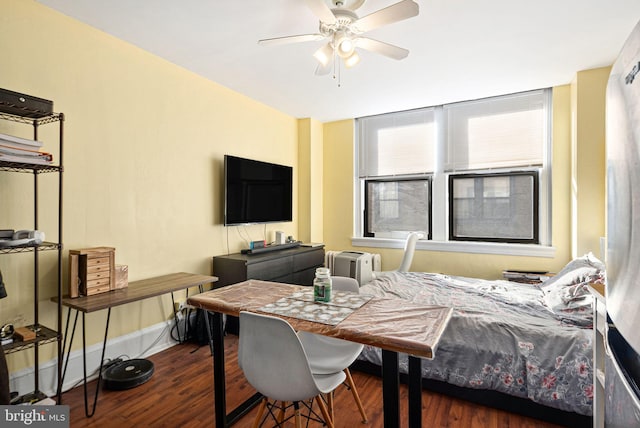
(382, 48)
(394, 13)
(321, 10)
(291, 39)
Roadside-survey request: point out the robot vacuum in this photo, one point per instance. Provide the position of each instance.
(127, 374)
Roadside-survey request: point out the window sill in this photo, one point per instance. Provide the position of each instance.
(525, 250)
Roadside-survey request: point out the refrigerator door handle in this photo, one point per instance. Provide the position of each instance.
(620, 375)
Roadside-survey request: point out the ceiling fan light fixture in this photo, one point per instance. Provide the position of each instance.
(352, 60)
(324, 54)
(344, 44)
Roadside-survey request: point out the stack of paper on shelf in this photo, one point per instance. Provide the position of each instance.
(23, 150)
(526, 277)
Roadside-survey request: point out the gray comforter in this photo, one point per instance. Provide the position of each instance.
(506, 336)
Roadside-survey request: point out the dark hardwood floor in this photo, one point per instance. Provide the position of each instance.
(180, 394)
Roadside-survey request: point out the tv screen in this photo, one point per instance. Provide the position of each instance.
(256, 192)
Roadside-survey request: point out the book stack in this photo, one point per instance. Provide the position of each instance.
(526, 277)
(23, 150)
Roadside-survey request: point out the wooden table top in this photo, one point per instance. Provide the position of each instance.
(391, 324)
(137, 290)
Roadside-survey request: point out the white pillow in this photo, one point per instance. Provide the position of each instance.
(567, 294)
(584, 269)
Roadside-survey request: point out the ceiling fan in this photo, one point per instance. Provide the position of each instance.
(343, 29)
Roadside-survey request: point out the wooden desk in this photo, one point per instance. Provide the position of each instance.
(136, 291)
(390, 324)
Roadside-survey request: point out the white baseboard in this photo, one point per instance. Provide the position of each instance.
(139, 344)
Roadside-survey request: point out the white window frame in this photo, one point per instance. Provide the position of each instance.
(439, 215)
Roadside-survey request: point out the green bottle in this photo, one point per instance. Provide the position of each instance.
(322, 285)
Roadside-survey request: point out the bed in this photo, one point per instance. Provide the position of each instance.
(511, 343)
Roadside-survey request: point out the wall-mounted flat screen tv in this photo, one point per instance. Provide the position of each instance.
(256, 191)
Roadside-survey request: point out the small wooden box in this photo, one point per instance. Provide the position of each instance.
(91, 271)
(24, 334)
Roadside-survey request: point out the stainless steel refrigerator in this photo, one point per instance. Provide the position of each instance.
(622, 334)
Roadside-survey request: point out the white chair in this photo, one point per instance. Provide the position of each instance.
(275, 364)
(409, 249)
(407, 258)
(328, 355)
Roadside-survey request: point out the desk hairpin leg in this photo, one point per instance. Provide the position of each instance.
(216, 341)
(84, 362)
(84, 358)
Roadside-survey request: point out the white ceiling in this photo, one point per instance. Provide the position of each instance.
(459, 49)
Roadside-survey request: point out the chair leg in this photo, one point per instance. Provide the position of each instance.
(330, 403)
(296, 408)
(325, 412)
(356, 396)
(263, 405)
(281, 412)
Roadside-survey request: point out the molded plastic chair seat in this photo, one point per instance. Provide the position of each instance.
(275, 363)
(327, 355)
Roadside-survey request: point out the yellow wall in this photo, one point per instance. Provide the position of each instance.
(310, 173)
(144, 146)
(587, 166)
(338, 184)
(145, 141)
(339, 163)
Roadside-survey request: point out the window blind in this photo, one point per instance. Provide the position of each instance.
(507, 131)
(400, 143)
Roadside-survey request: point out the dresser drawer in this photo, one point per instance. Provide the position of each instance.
(271, 269)
(304, 277)
(310, 259)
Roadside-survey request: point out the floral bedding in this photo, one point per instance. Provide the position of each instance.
(529, 341)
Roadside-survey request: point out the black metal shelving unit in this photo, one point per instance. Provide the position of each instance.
(44, 335)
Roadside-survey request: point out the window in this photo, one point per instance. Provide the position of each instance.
(494, 207)
(397, 207)
(469, 171)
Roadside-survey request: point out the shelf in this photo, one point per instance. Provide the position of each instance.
(43, 336)
(35, 117)
(36, 121)
(30, 398)
(28, 167)
(41, 120)
(45, 246)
